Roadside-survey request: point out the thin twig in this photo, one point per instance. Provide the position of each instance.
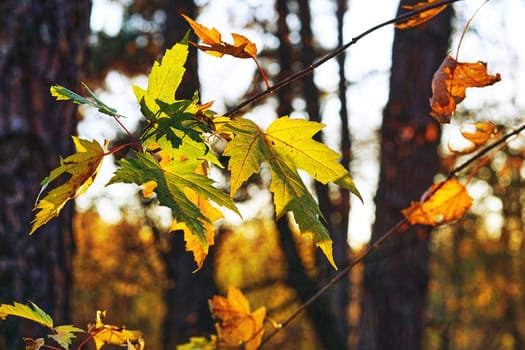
(336, 52)
(377, 244)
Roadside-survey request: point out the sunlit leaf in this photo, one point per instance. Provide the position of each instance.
(286, 146)
(63, 335)
(479, 133)
(82, 166)
(420, 17)
(104, 334)
(447, 204)
(193, 242)
(242, 47)
(172, 179)
(450, 82)
(476, 135)
(198, 343)
(31, 312)
(236, 324)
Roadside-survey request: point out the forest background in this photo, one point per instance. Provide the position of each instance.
(124, 261)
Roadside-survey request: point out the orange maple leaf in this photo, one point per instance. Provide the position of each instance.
(236, 324)
(421, 17)
(450, 82)
(447, 203)
(242, 47)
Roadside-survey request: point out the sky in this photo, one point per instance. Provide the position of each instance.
(494, 37)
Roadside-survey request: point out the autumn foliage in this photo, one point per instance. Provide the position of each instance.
(170, 162)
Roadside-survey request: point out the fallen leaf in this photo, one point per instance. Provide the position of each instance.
(420, 17)
(446, 204)
(450, 82)
(236, 324)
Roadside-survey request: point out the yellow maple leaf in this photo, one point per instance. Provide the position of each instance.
(108, 334)
(447, 203)
(236, 324)
(82, 167)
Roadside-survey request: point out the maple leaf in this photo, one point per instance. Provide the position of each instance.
(64, 335)
(242, 47)
(420, 17)
(31, 312)
(193, 242)
(171, 180)
(236, 323)
(450, 82)
(108, 334)
(82, 166)
(448, 202)
(286, 146)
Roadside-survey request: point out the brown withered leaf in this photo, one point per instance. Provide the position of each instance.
(242, 47)
(421, 17)
(450, 82)
(447, 204)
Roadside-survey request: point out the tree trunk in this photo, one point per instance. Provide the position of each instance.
(186, 298)
(43, 43)
(395, 280)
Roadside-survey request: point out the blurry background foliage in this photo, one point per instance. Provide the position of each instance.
(476, 291)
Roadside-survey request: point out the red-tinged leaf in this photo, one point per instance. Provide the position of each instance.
(450, 82)
(236, 324)
(420, 17)
(447, 204)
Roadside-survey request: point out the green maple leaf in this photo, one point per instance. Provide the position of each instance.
(64, 334)
(287, 146)
(165, 114)
(82, 167)
(31, 312)
(171, 179)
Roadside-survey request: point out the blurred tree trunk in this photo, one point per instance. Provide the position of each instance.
(187, 312)
(395, 280)
(43, 43)
(321, 313)
(334, 210)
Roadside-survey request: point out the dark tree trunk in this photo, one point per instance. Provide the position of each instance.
(321, 312)
(43, 43)
(187, 312)
(395, 280)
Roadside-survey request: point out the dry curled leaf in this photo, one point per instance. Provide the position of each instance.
(450, 82)
(236, 324)
(476, 134)
(446, 204)
(420, 17)
(242, 47)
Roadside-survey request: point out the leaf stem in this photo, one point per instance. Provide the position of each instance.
(377, 244)
(305, 71)
(135, 142)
